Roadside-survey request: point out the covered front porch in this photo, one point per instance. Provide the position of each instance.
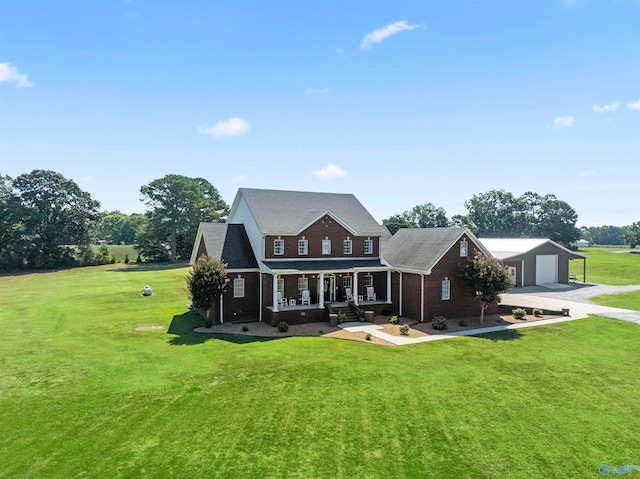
(301, 291)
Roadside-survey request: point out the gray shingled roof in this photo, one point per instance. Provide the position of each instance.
(288, 212)
(419, 249)
(229, 243)
(323, 265)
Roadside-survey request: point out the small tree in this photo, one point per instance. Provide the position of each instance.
(206, 281)
(487, 278)
(632, 234)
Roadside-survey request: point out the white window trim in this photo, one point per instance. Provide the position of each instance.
(276, 242)
(303, 283)
(446, 288)
(347, 246)
(368, 280)
(238, 287)
(464, 243)
(280, 286)
(303, 246)
(347, 281)
(368, 246)
(326, 242)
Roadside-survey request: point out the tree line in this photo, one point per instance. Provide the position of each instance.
(500, 214)
(47, 221)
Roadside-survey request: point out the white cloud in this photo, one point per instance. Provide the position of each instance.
(634, 105)
(609, 107)
(231, 127)
(331, 171)
(10, 74)
(564, 121)
(314, 91)
(383, 33)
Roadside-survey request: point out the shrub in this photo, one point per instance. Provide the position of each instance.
(139, 259)
(439, 323)
(283, 327)
(462, 322)
(537, 312)
(341, 316)
(126, 258)
(360, 312)
(404, 329)
(368, 337)
(519, 313)
(393, 320)
(245, 328)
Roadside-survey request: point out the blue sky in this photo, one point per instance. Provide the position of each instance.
(399, 102)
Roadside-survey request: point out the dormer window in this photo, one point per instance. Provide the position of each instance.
(464, 248)
(347, 246)
(278, 247)
(368, 246)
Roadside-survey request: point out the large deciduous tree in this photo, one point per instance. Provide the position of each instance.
(55, 213)
(12, 243)
(206, 281)
(420, 216)
(632, 234)
(176, 206)
(495, 213)
(486, 277)
(118, 228)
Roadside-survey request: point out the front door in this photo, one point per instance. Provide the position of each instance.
(512, 275)
(328, 288)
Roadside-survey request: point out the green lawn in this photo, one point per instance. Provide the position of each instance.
(630, 300)
(614, 266)
(83, 394)
(119, 251)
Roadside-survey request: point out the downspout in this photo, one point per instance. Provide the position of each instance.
(421, 298)
(221, 309)
(400, 296)
(389, 286)
(260, 294)
(522, 274)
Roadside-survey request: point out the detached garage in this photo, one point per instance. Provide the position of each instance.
(533, 261)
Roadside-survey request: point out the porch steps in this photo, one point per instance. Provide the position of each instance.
(350, 314)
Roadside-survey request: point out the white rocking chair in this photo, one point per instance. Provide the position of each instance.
(371, 294)
(306, 297)
(282, 301)
(348, 294)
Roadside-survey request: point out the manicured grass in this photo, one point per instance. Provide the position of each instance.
(119, 251)
(83, 394)
(609, 266)
(630, 300)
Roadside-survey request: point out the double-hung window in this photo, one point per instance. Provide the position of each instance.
(347, 246)
(238, 287)
(303, 246)
(368, 246)
(368, 280)
(326, 246)
(303, 283)
(464, 248)
(278, 247)
(446, 289)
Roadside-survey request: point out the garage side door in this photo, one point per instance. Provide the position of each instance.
(546, 268)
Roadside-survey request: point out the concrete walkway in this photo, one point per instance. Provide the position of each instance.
(534, 299)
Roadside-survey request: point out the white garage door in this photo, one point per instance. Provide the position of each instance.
(546, 268)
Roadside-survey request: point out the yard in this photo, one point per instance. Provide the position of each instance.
(100, 381)
(614, 266)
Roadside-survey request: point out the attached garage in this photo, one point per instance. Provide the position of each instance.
(533, 261)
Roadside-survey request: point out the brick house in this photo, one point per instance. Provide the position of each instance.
(293, 255)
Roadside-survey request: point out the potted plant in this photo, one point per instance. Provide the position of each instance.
(341, 317)
(360, 313)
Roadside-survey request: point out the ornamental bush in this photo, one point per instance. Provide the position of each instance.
(439, 323)
(404, 329)
(519, 313)
(283, 327)
(537, 312)
(393, 320)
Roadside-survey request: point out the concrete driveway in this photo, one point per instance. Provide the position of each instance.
(575, 297)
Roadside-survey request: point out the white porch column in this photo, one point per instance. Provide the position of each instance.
(389, 287)
(355, 288)
(321, 291)
(221, 309)
(422, 297)
(275, 293)
(400, 296)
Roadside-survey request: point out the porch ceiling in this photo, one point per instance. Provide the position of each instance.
(307, 266)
